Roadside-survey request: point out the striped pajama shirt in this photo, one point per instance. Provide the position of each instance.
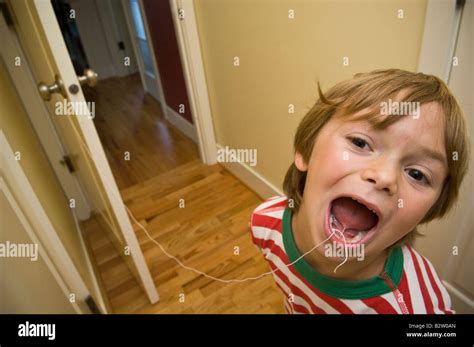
(409, 283)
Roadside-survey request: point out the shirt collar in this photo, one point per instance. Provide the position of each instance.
(344, 289)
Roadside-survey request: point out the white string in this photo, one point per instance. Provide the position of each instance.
(217, 278)
(345, 249)
(180, 263)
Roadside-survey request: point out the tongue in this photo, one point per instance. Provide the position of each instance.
(353, 215)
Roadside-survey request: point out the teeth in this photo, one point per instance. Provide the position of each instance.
(335, 226)
(360, 235)
(364, 205)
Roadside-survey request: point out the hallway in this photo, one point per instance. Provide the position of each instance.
(164, 167)
(129, 120)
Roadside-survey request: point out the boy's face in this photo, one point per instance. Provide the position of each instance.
(392, 171)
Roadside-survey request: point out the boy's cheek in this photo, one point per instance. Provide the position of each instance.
(415, 206)
(391, 234)
(329, 163)
(404, 221)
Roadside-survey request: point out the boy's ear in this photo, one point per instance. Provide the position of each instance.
(300, 163)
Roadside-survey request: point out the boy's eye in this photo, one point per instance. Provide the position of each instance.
(417, 175)
(357, 141)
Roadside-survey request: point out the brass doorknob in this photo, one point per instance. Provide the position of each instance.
(89, 78)
(57, 87)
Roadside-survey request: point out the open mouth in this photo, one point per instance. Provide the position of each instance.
(352, 219)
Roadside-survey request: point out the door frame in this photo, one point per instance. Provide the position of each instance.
(29, 210)
(189, 45)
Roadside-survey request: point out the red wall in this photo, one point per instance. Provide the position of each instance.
(165, 46)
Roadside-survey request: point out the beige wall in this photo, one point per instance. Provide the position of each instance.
(19, 289)
(21, 136)
(281, 60)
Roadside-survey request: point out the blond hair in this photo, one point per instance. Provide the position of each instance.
(365, 91)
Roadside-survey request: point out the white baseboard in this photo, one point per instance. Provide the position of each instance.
(251, 178)
(182, 124)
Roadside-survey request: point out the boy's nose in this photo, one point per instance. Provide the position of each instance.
(383, 178)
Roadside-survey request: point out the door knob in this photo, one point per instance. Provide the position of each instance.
(89, 78)
(57, 87)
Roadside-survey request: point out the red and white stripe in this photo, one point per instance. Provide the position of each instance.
(421, 288)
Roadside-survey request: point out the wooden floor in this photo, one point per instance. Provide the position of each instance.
(129, 120)
(203, 234)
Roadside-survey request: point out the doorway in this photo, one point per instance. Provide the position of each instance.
(129, 112)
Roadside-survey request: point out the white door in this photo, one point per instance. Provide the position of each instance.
(142, 46)
(40, 119)
(91, 27)
(104, 36)
(40, 36)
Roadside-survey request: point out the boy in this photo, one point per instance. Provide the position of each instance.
(375, 156)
